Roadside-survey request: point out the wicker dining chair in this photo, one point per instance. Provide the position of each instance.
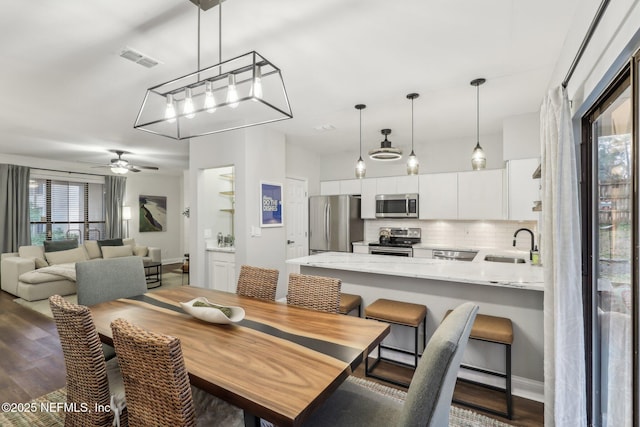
(315, 292)
(157, 384)
(90, 380)
(258, 282)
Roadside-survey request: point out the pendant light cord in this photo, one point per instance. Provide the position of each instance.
(199, 8)
(220, 34)
(478, 114)
(411, 125)
(360, 133)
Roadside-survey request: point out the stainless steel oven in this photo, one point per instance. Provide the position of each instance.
(391, 250)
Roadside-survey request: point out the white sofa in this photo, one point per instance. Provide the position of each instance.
(22, 274)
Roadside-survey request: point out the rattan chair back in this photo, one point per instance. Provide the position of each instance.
(87, 382)
(155, 378)
(258, 282)
(315, 292)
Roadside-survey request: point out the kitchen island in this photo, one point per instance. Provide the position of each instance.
(514, 291)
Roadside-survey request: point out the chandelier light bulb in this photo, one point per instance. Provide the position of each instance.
(232, 92)
(188, 109)
(256, 89)
(209, 99)
(170, 111)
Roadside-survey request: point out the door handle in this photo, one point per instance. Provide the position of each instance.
(290, 242)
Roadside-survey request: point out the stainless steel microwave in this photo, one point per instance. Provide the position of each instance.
(397, 206)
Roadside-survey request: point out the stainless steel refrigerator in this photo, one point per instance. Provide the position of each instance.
(334, 223)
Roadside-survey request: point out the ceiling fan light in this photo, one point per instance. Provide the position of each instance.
(120, 170)
(386, 152)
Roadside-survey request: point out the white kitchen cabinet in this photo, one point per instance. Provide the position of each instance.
(480, 194)
(343, 186)
(223, 271)
(422, 253)
(397, 184)
(329, 188)
(369, 189)
(438, 196)
(523, 190)
(350, 186)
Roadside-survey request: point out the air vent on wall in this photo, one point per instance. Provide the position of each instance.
(138, 58)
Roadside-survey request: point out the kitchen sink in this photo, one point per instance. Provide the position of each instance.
(506, 259)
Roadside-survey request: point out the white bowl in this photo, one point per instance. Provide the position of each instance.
(211, 314)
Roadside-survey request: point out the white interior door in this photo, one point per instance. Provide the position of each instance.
(296, 220)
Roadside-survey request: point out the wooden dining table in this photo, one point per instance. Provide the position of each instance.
(279, 363)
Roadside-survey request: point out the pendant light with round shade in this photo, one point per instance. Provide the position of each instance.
(412, 162)
(361, 168)
(478, 158)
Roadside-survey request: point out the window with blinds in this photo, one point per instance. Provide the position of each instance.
(65, 209)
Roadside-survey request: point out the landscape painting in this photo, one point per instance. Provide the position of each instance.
(153, 213)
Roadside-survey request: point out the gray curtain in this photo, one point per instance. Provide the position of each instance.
(114, 195)
(14, 207)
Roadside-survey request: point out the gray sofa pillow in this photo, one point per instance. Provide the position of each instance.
(60, 245)
(110, 242)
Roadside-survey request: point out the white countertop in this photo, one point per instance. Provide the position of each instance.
(478, 271)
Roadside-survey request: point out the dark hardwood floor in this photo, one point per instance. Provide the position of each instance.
(31, 364)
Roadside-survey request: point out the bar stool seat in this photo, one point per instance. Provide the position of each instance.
(498, 330)
(399, 313)
(349, 302)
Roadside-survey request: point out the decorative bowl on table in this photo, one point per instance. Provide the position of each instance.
(203, 309)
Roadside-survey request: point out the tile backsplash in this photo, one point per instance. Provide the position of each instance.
(461, 234)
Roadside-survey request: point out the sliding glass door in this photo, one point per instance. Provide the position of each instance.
(610, 231)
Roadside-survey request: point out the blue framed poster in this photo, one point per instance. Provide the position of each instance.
(270, 204)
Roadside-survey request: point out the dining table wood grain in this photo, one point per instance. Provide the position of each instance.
(279, 363)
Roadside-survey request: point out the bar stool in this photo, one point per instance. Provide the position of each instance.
(497, 330)
(397, 313)
(349, 302)
(185, 268)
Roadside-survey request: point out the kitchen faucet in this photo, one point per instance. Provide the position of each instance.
(532, 238)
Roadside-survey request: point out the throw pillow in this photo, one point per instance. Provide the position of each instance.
(140, 250)
(116, 251)
(93, 250)
(31, 252)
(64, 257)
(40, 263)
(60, 245)
(109, 242)
(130, 241)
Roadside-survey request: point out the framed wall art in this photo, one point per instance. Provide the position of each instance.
(270, 204)
(153, 213)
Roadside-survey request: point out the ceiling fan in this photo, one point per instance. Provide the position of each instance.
(122, 166)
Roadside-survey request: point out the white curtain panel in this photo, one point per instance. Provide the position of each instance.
(564, 377)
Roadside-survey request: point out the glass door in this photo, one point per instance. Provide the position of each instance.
(609, 228)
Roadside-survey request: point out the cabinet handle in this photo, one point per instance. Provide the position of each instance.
(290, 242)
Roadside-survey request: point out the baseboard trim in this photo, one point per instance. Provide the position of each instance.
(520, 386)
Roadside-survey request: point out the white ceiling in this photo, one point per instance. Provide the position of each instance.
(67, 95)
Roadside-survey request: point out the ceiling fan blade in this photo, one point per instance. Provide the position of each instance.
(153, 168)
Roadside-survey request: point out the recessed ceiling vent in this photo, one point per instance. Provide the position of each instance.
(138, 58)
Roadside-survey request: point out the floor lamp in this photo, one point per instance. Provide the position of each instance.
(126, 216)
